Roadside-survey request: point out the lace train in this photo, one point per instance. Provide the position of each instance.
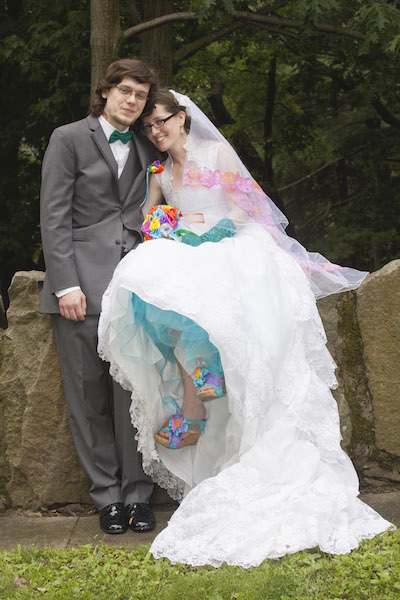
(269, 477)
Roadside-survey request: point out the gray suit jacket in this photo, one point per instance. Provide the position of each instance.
(87, 214)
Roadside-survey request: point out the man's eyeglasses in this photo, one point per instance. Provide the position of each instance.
(158, 123)
(125, 91)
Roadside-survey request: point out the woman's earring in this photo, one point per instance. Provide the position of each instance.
(182, 131)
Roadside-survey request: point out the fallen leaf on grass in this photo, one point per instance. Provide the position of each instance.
(20, 582)
(41, 590)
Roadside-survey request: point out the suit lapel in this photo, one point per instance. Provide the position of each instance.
(143, 159)
(102, 144)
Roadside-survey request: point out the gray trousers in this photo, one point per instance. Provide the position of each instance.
(108, 454)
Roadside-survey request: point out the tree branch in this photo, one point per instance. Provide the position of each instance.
(385, 113)
(328, 164)
(193, 47)
(274, 8)
(251, 18)
(136, 29)
(294, 24)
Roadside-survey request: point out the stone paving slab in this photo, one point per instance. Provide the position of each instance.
(73, 531)
(70, 532)
(41, 531)
(87, 532)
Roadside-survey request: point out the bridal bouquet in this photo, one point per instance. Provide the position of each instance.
(162, 221)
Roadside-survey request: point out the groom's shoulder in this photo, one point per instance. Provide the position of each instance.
(82, 127)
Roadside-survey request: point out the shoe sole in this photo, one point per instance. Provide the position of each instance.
(141, 529)
(212, 395)
(113, 532)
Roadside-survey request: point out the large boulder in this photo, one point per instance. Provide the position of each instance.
(39, 461)
(378, 311)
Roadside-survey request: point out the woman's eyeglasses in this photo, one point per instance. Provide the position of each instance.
(158, 123)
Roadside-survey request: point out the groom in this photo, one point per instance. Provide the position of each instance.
(93, 181)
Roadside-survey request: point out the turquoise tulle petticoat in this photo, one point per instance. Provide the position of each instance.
(177, 338)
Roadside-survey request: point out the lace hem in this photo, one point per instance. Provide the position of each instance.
(151, 462)
(312, 535)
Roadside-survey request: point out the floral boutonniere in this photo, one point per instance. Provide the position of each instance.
(155, 167)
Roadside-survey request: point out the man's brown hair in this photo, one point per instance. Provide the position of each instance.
(124, 67)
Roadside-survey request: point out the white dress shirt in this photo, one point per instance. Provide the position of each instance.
(118, 148)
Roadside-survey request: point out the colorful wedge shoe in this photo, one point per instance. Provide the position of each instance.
(176, 427)
(210, 385)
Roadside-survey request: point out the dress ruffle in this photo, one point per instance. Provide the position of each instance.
(269, 476)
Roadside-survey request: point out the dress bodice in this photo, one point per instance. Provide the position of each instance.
(193, 200)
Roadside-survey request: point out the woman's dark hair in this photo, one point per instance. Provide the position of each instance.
(124, 67)
(168, 101)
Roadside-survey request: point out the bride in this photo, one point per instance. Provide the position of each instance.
(213, 326)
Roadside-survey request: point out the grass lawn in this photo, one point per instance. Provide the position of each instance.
(372, 572)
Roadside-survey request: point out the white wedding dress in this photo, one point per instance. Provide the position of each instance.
(268, 477)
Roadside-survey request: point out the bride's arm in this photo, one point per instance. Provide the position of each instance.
(155, 195)
(227, 163)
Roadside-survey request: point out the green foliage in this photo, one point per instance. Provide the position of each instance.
(106, 573)
(337, 97)
(45, 68)
(212, 8)
(379, 19)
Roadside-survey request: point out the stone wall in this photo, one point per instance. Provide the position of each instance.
(38, 464)
(363, 330)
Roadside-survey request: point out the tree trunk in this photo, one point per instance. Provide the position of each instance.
(157, 43)
(105, 37)
(341, 178)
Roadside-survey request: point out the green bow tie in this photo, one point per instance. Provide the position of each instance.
(117, 135)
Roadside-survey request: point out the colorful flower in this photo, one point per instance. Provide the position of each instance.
(158, 213)
(228, 178)
(146, 227)
(165, 229)
(171, 220)
(155, 223)
(155, 233)
(193, 174)
(210, 178)
(155, 167)
(199, 378)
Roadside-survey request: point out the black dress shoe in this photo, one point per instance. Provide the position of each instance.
(140, 517)
(113, 518)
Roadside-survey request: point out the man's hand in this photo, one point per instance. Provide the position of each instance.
(73, 305)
